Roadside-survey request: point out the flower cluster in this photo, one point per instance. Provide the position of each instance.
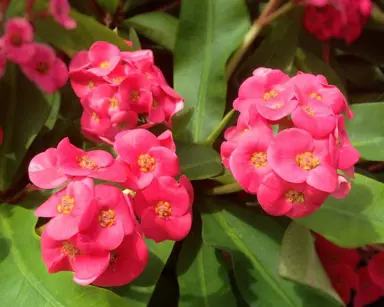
(93, 230)
(336, 18)
(355, 270)
(37, 61)
(294, 171)
(118, 90)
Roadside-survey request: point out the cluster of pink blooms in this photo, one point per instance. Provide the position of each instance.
(119, 90)
(37, 61)
(357, 270)
(294, 171)
(328, 19)
(97, 231)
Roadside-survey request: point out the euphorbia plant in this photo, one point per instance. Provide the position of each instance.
(125, 186)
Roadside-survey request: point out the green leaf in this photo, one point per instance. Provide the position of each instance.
(110, 5)
(134, 38)
(24, 278)
(300, 262)
(207, 36)
(140, 291)
(366, 130)
(309, 63)
(270, 54)
(198, 161)
(354, 221)
(25, 111)
(159, 27)
(203, 280)
(253, 240)
(87, 32)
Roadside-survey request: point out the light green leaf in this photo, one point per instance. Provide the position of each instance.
(25, 111)
(254, 240)
(198, 161)
(209, 31)
(159, 27)
(299, 261)
(203, 280)
(24, 278)
(366, 130)
(354, 221)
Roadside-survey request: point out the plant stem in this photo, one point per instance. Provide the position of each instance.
(213, 136)
(265, 18)
(226, 189)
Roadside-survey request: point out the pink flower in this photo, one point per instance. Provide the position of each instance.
(164, 210)
(1, 135)
(315, 88)
(297, 158)
(94, 123)
(147, 158)
(343, 154)
(248, 162)
(78, 254)
(84, 82)
(61, 10)
(118, 75)
(343, 189)
(136, 90)
(18, 40)
(279, 197)
(96, 164)
(108, 220)
(106, 100)
(127, 262)
(44, 170)
(367, 290)
(103, 57)
(45, 69)
(344, 280)
(266, 85)
(66, 208)
(376, 269)
(3, 58)
(79, 62)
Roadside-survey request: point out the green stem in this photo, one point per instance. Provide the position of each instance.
(213, 136)
(226, 189)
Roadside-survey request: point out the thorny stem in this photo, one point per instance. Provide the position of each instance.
(265, 18)
(225, 189)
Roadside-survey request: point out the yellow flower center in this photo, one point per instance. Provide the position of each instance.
(316, 96)
(91, 85)
(107, 218)
(86, 163)
(42, 68)
(69, 249)
(134, 96)
(155, 104)
(95, 117)
(66, 205)
(270, 94)
(105, 64)
(294, 196)
(307, 161)
(309, 111)
(146, 163)
(117, 80)
(163, 209)
(259, 159)
(113, 103)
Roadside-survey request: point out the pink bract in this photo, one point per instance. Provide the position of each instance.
(60, 10)
(279, 197)
(128, 262)
(44, 171)
(84, 82)
(103, 57)
(108, 220)
(164, 209)
(367, 290)
(18, 40)
(79, 62)
(66, 208)
(297, 158)
(343, 188)
(78, 254)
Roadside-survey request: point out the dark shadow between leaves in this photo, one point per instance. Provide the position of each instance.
(5, 246)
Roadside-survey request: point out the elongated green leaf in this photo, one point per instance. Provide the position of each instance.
(203, 280)
(254, 243)
(25, 111)
(140, 291)
(157, 26)
(355, 220)
(24, 278)
(209, 31)
(198, 161)
(87, 32)
(299, 261)
(366, 130)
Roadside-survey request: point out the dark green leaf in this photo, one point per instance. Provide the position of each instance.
(24, 278)
(25, 111)
(366, 130)
(134, 38)
(209, 31)
(203, 280)
(355, 220)
(198, 161)
(110, 5)
(253, 240)
(157, 26)
(299, 261)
